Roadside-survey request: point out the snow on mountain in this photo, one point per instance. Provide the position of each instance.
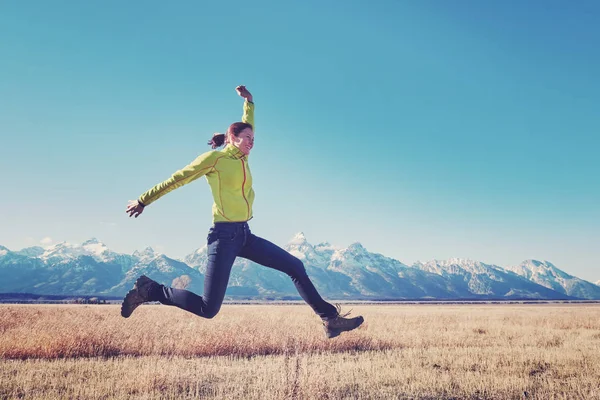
(356, 259)
(198, 258)
(469, 276)
(96, 249)
(454, 266)
(64, 252)
(598, 283)
(87, 268)
(326, 248)
(374, 275)
(316, 256)
(35, 251)
(163, 263)
(160, 268)
(352, 272)
(145, 256)
(466, 276)
(61, 252)
(542, 272)
(548, 275)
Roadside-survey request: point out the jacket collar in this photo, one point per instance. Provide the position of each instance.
(234, 152)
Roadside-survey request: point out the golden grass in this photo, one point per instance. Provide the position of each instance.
(279, 352)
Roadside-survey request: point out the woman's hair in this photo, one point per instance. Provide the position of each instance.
(236, 128)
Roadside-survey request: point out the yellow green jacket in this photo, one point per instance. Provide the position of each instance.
(228, 175)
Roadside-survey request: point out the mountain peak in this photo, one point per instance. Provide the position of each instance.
(326, 247)
(58, 249)
(458, 261)
(453, 266)
(95, 248)
(356, 246)
(532, 267)
(538, 264)
(200, 250)
(148, 251)
(547, 274)
(198, 257)
(298, 239)
(532, 263)
(464, 263)
(35, 251)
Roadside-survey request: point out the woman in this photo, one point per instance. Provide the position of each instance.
(228, 175)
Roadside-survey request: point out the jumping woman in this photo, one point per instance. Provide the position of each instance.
(228, 175)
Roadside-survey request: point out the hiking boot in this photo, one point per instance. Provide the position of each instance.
(338, 324)
(138, 295)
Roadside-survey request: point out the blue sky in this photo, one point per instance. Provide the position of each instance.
(423, 130)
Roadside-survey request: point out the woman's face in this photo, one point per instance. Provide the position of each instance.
(244, 141)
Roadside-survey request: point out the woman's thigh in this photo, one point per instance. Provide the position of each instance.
(263, 252)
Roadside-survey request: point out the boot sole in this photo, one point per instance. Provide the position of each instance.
(331, 333)
(130, 303)
(132, 300)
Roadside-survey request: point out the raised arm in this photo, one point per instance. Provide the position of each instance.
(248, 116)
(196, 169)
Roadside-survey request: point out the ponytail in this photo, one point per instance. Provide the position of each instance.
(235, 129)
(217, 140)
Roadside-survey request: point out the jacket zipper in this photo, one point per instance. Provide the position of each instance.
(244, 192)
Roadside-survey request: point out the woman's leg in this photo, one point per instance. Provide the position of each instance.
(224, 243)
(270, 255)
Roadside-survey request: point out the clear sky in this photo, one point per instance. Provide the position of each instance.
(422, 129)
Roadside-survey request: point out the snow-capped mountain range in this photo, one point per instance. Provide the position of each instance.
(91, 268)
(547, 274)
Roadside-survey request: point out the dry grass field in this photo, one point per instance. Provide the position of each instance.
(280, 352)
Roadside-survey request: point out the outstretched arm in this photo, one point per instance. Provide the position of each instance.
(248, 116)
(197, 168)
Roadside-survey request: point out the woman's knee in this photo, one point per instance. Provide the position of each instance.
(211, 310)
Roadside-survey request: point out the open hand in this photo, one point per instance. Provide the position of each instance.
(134, 208)
(242, 91)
